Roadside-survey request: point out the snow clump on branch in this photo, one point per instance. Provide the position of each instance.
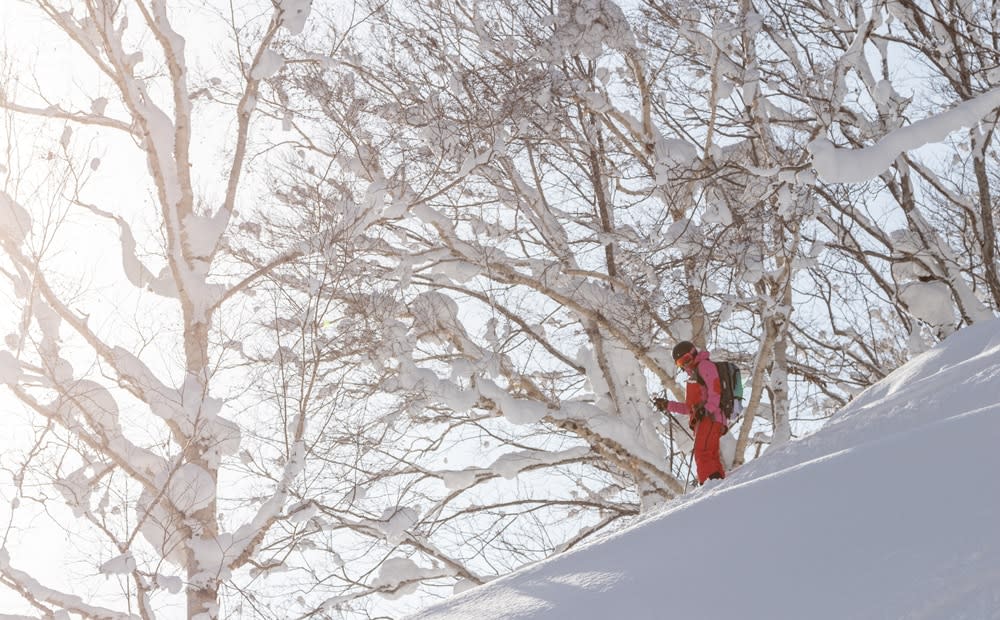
(293, 14)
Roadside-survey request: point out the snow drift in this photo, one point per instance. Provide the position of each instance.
(892, 510)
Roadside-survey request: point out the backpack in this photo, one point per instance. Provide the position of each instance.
(731, 382)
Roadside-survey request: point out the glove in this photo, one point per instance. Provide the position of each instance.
(697, 414)
(661, 403)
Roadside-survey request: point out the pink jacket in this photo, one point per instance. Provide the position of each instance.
(708, 395)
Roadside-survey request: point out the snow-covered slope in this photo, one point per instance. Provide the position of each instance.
(891, 511)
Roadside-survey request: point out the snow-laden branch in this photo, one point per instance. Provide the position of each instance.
(137, 377)
(512, 464)
(837, 165)
(292, 14)
(135, 270)
(42, 596)
(218, 557)
(247, 281)
(575, 292)
(85, 402)
(56, 112)
(397, 577)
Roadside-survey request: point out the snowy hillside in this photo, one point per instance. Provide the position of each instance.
(890, 511)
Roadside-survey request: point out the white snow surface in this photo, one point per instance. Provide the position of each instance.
(889, 511)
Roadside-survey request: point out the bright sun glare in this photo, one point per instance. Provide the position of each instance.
(43, 68)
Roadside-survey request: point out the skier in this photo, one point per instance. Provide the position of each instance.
(703, 392)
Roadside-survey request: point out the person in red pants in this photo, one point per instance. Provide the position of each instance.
(701, 403)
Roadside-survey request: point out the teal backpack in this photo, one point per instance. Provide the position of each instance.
(731, 400)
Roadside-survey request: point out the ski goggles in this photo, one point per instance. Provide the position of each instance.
(685, 359)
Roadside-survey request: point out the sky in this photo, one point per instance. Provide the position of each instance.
(890, 511)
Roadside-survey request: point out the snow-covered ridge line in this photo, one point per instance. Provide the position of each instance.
(845, 510)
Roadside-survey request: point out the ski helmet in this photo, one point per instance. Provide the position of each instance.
(683, 352)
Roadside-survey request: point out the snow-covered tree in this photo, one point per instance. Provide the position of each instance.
(903, 76)
(125, 228)
(556, 194)
(547, 229)
(393, 296)
(567, 192)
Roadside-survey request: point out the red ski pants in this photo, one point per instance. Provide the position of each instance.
(706, 449)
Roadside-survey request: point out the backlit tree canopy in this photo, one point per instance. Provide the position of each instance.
(317, 309)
